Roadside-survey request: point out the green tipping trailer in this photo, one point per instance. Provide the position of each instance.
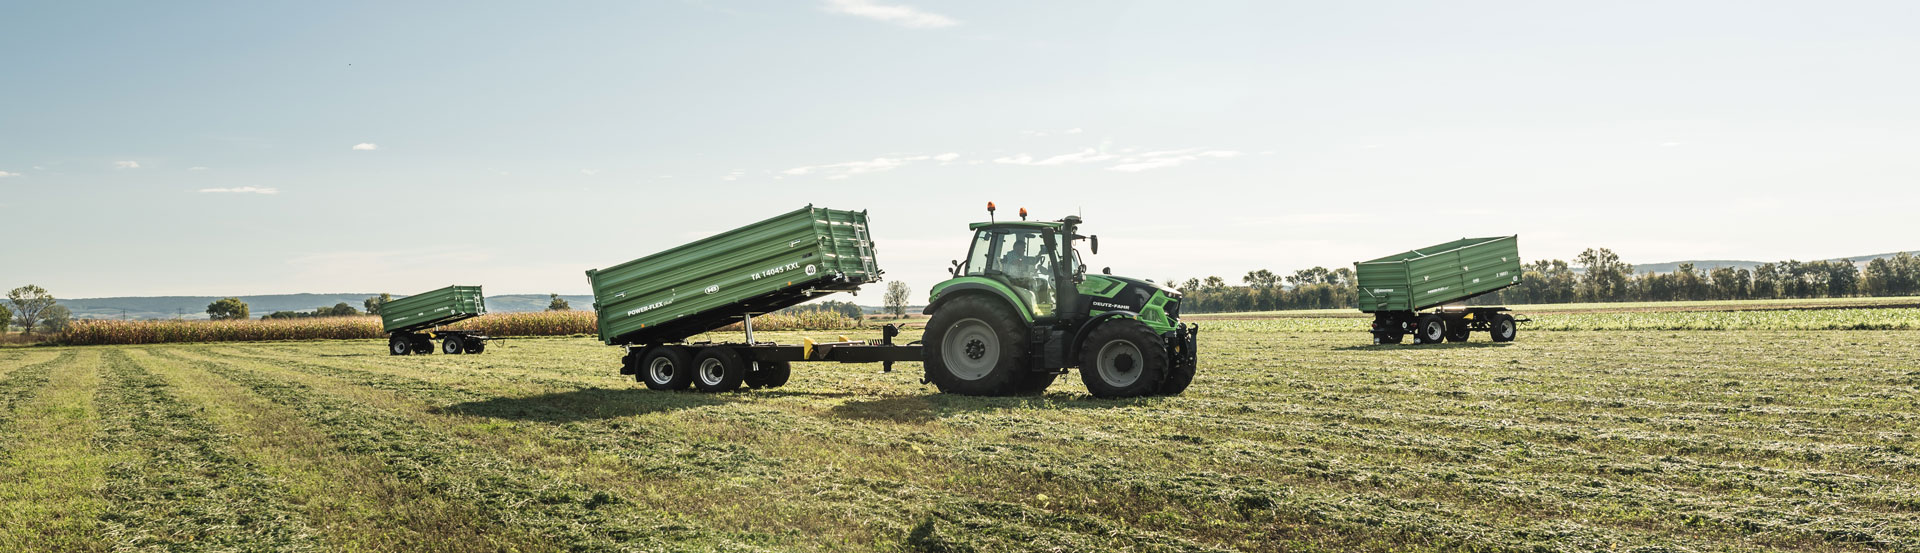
(1397, 287)
(412, 322)
(652, 303)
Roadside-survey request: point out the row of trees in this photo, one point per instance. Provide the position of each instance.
(30, 307)
(1600, 277)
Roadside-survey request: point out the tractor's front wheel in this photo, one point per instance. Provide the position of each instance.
(1123, 358)
(974, 346)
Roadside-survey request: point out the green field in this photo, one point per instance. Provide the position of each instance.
(1656, 440)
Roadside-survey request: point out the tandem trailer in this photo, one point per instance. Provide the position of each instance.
(412, 323)
(1016, 314)
(1396, 288)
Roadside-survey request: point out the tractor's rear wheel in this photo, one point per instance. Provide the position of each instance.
(399, 345)
(974, 346)
(451, 345)
(772, 374)
(1123, 358)
(1504, 328)
(666, 368)
(718, 369)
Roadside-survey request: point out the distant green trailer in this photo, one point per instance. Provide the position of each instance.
(1396, 288)
(412, 322)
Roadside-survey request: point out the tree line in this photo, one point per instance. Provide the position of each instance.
(1600, 277)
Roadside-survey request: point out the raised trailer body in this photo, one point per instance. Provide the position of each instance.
(715, 281)
(1397, 287)
(413, 322)
(652, 304)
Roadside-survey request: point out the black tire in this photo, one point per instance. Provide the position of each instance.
(975, 346)
(452, 345)
(1459, 330)
(399, 345)
(1123, 358)
(422, 345)
(1431, 330)
(666, 368)
(772, 374)
(718, 369)
(1504, 328)
(1179, 377)
(474, 346)
(1386, 329)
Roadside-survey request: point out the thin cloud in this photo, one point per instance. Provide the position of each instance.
(734, 175)
(1088, 155)
(589, 172)
(947, 157)
(4, 174)
(898, 14)
(127, 164)
(1169, 158)
(366, 146)
(241, 190)
(196, 168)
(875, 165)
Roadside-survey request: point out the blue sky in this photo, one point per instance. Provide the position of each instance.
(154, 148)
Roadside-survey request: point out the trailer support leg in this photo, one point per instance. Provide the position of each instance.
(887, 332)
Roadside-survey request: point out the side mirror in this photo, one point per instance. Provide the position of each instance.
(1093, 244)
(1106, 270)
(955, 271)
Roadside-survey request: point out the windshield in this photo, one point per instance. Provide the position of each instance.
(1022, 258)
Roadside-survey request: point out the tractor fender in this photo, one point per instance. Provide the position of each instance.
(959, 289)
(1080, 336)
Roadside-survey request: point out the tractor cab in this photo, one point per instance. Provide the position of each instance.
(1034, 260)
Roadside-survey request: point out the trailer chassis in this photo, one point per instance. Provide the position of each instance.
(1447, 324)
(452, 342)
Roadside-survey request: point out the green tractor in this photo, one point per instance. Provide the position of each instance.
(1020, 310)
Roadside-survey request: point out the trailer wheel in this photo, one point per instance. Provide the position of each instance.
(421, 345)
(1123, 358)
(399, 345)
(1459, 330)
(772, 374)
(1504, 329)
(974, 347)
(666, 368)
(474, 346)
(1432, 330)
(451, 345)
(718, 369)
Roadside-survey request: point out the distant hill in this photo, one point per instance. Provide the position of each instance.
(195, 307)
(1711, 264)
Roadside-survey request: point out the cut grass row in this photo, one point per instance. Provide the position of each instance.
(1259, 476)
(1565, 441)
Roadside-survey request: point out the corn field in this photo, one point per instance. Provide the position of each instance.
(87, 332)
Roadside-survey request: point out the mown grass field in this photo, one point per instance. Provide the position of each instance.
(1572, 440)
